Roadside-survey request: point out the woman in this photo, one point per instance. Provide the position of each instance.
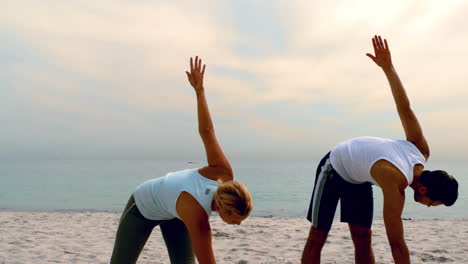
(181, 202)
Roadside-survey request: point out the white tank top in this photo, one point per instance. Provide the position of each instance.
(156, 199)
(354, 158)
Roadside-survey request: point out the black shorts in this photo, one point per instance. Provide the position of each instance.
(357, 201)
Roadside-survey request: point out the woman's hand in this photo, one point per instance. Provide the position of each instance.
(195, 76)
(218, 166)
(382, 53)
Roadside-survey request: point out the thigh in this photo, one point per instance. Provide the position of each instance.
(324, 197)
(177, 238)
(357, 204)
(132, 234)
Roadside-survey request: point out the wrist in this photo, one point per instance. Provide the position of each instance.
(388, 69)
(200, 91)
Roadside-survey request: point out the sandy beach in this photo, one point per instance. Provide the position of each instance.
(88, 237)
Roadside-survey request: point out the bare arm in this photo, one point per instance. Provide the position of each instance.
(393, 207)
(408, 119)
(198, 226)
(215, 155)
(393, 184)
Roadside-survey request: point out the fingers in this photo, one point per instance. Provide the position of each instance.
(189, 77)
(196, 67)
(370, 56)
(375, 45)
(379, 44)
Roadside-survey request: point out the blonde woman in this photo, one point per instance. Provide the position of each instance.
(181, 202)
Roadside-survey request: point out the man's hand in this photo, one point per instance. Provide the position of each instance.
(408, 119)
(382, 53)
(195, 76)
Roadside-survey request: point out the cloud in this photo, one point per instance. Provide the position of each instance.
(124, 60)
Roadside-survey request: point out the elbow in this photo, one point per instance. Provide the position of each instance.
(229, 174)
(395, 244)
(398, 245)
(427, 153)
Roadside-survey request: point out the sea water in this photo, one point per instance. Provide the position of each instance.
(278, 188)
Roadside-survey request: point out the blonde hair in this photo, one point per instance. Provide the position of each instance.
(232, 197)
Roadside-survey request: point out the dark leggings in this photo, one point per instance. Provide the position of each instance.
(134, 230)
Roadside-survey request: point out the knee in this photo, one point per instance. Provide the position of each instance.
(315, 243)
(316, 239)
(362, 238)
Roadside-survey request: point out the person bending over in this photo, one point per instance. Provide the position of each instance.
(181, 202)
(349, 170)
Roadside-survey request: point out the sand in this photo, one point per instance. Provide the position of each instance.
(88, 237)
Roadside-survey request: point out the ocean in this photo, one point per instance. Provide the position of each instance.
(278, 188)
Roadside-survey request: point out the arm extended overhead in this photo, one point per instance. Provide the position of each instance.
(408, 119)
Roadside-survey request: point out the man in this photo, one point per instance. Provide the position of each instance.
(348, 172)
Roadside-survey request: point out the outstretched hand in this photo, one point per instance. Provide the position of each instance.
(195, 76)
(382, 53)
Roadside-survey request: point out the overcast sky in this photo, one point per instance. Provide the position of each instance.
(284, 79)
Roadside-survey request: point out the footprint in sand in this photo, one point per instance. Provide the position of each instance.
(221, 234)
(428, 257)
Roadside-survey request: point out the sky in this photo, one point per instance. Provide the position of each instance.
(285, 80)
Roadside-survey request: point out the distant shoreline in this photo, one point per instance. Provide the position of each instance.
(78, 211)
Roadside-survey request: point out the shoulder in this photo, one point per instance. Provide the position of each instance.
(218, 174)
(189, 209)
(388, 176)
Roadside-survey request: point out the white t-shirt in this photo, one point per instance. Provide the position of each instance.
(156, 199)
(354, 158)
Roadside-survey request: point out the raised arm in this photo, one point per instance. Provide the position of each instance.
(217, 161)
(410, 123)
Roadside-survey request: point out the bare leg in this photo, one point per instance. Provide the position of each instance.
(362, 239)
(313, 246)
